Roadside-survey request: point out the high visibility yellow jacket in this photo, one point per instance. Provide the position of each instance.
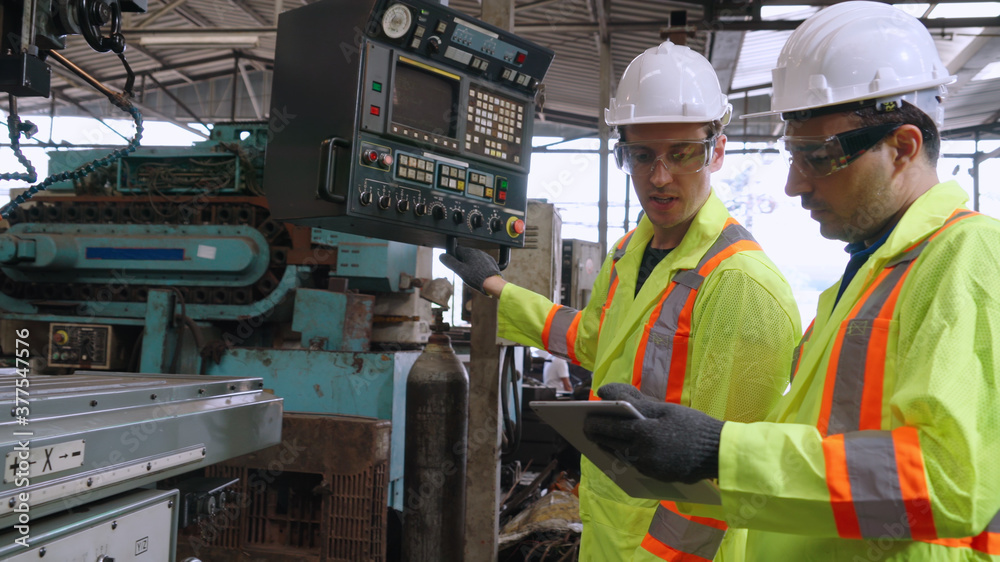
(743, 327)
(887, 446)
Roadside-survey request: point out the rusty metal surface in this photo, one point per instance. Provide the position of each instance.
(319, 496)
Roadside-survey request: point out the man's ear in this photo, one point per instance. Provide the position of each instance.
(906, 142)
(718, 154)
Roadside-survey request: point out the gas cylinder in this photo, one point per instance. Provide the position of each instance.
(437, 413)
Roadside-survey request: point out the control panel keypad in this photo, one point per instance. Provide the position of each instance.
(451, 178)
(495, 126)
(480, 185)
(415, 169)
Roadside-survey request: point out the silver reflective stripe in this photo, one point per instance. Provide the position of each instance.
(660, 347)
(685, 535)
(798, 351)
(688, 278)
(730, 235)
(845, 411)
(875, 492)
(561, 323)
(619, 254)
(994, 525)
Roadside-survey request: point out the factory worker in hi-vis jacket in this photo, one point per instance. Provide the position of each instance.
(887, 445)
(687, 308)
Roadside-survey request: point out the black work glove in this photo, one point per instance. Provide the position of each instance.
(673, 444)
(473, 266)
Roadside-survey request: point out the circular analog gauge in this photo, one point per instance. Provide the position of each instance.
(396, 21)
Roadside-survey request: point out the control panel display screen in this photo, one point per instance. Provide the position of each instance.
(425, 100)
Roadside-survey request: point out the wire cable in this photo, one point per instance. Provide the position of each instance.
(118, 100)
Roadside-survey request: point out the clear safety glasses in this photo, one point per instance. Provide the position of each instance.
(819, 157)
(679, 156)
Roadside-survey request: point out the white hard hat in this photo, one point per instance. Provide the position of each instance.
(668, 84)
(859, 51)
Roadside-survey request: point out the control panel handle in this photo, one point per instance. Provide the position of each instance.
(504, 260)
(452, 249)
(332, 150)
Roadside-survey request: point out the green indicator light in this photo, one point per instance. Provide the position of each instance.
(424, 12)
(377, 86)
(503, 184)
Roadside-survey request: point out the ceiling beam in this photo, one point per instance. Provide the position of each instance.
(248, 9)
(765, 25)
(535, 4)
(981, 51)
(74, 79)
(159, 13)
(136, 33)
(725, 55)
(601, 8)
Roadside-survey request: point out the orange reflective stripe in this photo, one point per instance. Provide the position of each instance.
(829, 385)
(678, 360)
(640, 354)
(985, 542)
(660, 550)
(913, 483)
(548, 324)
(741, 246)
(675, 536)
(871, 398)
(837, 481)
(660, 365)
(607, 303)
(958, 215)
(871, 392)
(613, 284)
(797, 354)
(571, 338)
(707, 521)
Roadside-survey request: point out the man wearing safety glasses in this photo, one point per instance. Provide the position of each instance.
(686, 309)
(887, 445)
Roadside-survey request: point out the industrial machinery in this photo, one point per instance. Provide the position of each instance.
(581, 261)
(406, 120)
(86, 437)
(168, 261)
(169, 272)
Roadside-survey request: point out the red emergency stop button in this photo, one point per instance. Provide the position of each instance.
(515, 227)
(60, 337)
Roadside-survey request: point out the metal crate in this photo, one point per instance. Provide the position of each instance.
(319, 496)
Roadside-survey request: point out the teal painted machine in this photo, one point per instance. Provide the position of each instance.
(169, 262)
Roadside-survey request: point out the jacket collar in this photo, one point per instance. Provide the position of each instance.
(924, 216)
(704, 230)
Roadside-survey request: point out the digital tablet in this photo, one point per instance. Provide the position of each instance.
(567, 418)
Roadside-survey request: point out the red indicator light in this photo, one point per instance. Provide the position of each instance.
(519, 58)
(375, 110)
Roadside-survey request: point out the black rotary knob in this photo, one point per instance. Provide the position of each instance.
(458, 217)
(384, 201)
(438, 213)
(476, 220)
(366, 198)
